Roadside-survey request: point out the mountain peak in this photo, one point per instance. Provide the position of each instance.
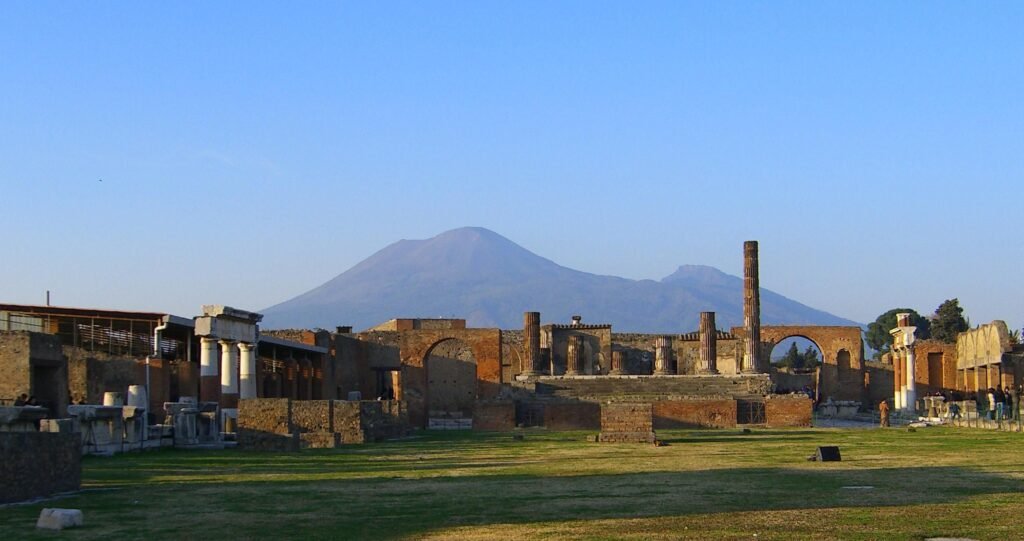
(475, 273)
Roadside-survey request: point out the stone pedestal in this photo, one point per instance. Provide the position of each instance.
(627, 422)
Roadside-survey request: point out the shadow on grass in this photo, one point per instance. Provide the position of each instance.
(251, 495)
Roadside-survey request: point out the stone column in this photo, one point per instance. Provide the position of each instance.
(228, 374)
(247, 371)
(663, 356)
(708, 344)
(618, 364)
(751, 308)
(531, 344)
(910, 401)
(897, 385)
(574, 357)
(209, 374)
(545, 361)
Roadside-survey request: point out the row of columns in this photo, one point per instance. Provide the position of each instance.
(234, 378)
(904, 388)
(534, 361)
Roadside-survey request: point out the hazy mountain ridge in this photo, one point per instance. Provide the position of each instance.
(476, 274)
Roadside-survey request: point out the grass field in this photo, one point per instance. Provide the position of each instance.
(891, 484)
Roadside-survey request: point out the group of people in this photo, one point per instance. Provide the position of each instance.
(26, 400)
(1003, 404)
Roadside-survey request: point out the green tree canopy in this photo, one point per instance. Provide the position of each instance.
(795, 360)
(878, 337)
(949, 321)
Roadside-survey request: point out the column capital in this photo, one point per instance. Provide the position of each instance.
(227, 343)
(246, 346)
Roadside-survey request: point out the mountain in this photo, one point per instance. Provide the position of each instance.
(477, 274)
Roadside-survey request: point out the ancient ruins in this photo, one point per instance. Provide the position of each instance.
(113, 381)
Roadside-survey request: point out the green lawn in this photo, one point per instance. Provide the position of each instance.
(891, 484)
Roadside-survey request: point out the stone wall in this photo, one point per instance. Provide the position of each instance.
(695, 413)
(312, 415)
(654, 386)
(264, 424)
(14, 364)
(788, 411)
(494, 415)
(880, 380)
(33, 363)
(38, 464)
(281, 424)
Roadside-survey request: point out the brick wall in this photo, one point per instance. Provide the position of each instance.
(703, 413)
(38, 464)
(494, 415)
(572, 415)
(627, 417)
(784, 410)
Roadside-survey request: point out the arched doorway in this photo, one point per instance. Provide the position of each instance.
(450, 368)
(795, 364)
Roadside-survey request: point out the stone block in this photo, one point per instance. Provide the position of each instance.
(58, 519)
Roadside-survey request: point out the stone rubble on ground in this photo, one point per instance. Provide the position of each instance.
(58, 519)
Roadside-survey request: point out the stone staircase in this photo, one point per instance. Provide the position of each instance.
(652, 386)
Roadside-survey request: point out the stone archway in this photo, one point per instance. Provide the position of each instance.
(787, 381)
(842, 352)
(416, 346)
(450, 370)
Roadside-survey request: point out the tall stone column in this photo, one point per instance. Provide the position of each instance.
(228, 374)
(531, 343)
(897, 374)
(209, 373)
(910, 402)
(618, 364)
(751, 308)
(574, 357)
(247, 370)
(708, 344)
(663, 356)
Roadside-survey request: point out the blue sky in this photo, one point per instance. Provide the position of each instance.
(249, 152)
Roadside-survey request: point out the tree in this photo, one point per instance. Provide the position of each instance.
(810, 358)
(878, 337)
(948, 321)
(792, 359)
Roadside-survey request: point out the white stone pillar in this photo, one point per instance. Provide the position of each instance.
(208, 357)
(228, 367)
(903, 380)
(897, 398)
(909, 401)
(247, 370)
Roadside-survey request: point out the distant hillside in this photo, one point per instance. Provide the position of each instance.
(476, 274)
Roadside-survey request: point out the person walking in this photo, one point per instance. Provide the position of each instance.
(883, 414)
(991, 404)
